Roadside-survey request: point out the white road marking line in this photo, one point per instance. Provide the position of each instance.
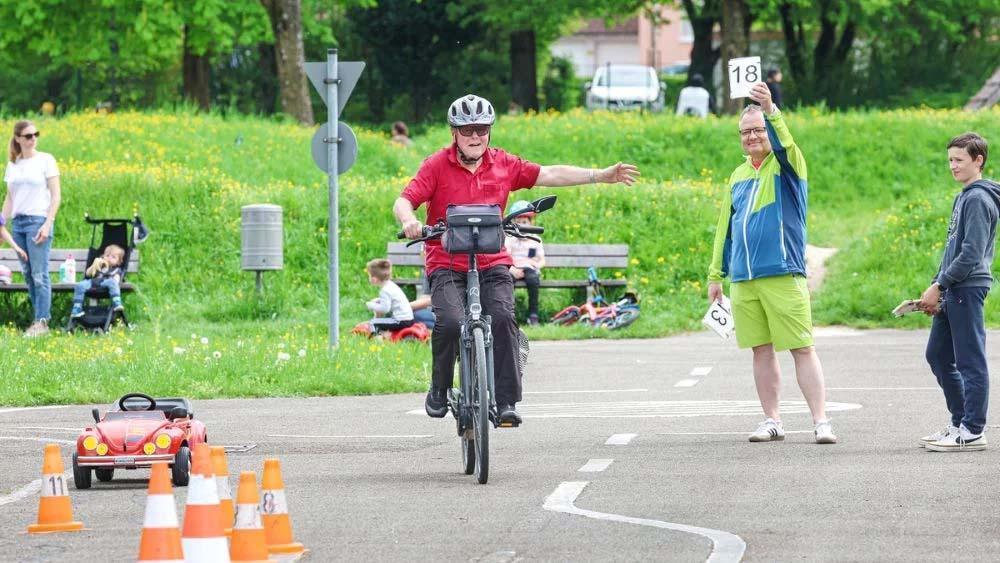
(35, 439)
(502, 556)
(883, 388)
(56, 428)
(584, 391)
(701, 371)
(722, 433)
(28, 490)
(373, 436)
(687, 383)
(596, 465)
(18, 409)
(725, 546)
(620, 439)
(660, 409)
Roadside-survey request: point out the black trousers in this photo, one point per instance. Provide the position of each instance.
(532, 280)
(496, 287)
(383, 324)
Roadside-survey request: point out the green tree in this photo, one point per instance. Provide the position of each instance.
(534, 24)
(210, 28)
(703, 15)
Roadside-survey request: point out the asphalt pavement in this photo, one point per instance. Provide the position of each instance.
(630, 451)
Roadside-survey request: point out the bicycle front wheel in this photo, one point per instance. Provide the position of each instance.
(481, 406)
(625, 317)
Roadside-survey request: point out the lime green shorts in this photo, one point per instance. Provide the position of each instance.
(772, 310)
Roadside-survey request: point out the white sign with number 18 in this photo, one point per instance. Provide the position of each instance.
(743, 74)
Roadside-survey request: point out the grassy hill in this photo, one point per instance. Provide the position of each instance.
(879, 187)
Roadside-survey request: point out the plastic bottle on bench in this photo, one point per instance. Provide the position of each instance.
(67, 271)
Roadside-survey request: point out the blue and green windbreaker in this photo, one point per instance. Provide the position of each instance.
(762, 225)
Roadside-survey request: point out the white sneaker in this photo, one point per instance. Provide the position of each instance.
(767, 431)
(961, 441)
(824, 433)
(939, 435)
(37, 328)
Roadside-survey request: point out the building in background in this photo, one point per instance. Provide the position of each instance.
(630, 42)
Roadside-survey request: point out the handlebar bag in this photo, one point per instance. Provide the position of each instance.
(474, 229)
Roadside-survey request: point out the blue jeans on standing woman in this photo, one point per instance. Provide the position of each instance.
(36, 269)
(956, 352)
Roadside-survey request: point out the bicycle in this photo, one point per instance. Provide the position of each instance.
(477, 229)
(597, 311)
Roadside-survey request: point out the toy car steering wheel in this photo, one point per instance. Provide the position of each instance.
(150, 400)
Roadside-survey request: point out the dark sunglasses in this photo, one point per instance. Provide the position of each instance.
(36, 135)
(468, 130)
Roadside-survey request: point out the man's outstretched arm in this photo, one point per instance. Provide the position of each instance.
(562, 175)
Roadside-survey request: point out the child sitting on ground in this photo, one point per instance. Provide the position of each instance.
(529, 258)
(391, 307)
(105, 271)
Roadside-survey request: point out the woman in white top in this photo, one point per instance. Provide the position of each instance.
(32, 201)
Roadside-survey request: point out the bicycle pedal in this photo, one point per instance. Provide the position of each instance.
(509, 424)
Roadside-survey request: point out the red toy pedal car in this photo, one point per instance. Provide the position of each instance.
(135, 432)
(416, 331)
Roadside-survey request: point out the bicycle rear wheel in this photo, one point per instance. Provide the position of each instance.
(566, 316)
(481, 407)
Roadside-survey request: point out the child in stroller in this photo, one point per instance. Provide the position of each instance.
(112, 247)
(104, 272)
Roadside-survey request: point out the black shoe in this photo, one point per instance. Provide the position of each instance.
(506, 413)
(436, 403)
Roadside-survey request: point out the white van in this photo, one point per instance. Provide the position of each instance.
(624, 87)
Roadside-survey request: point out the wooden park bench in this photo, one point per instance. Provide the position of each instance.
(56, 258)
(557, 256)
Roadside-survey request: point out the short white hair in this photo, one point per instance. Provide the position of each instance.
(750, 109)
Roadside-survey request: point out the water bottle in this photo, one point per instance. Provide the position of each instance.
(67, 271)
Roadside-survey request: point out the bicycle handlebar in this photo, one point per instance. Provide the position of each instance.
(513, 229)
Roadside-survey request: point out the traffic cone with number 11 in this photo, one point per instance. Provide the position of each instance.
(55, 513)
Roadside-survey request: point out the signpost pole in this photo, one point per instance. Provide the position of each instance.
(333, 236)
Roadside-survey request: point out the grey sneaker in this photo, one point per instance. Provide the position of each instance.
(937, 436)
(37, 328)
(824, 433)
(768, 431)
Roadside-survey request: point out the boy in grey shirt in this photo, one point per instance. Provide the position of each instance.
(391, 307)
(956, 348)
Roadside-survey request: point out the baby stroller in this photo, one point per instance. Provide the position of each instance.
(98, 313)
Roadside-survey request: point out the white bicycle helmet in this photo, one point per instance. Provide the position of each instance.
(471, 110)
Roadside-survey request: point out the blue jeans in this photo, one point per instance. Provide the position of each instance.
(81, 289)
(36, 269)
(956, 352)
(425, 316)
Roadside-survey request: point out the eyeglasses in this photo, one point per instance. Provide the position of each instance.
(35, 135)
(468, 130)
(759, 131)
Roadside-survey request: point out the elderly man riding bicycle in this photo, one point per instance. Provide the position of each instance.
(469, 172)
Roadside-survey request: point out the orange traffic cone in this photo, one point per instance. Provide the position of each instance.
(55, 514)
(249, 543)
(221, 469)
(277, 525)
(161, 538)
(203, 539)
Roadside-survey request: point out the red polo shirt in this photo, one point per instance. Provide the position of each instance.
(442, 181)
